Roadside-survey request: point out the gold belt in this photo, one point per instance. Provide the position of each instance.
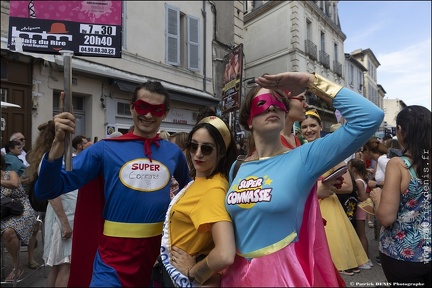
(132, 230)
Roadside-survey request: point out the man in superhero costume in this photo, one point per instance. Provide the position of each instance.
(134, 171)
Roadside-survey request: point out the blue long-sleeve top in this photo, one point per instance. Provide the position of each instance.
(266, 199)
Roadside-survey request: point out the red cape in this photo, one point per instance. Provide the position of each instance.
(88, 225)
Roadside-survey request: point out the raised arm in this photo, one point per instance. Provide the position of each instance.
(363, 118)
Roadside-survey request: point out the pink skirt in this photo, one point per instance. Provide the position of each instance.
(305, 263)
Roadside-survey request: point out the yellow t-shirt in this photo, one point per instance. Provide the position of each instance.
(191, 217)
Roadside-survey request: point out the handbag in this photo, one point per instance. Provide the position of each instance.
(10, 207)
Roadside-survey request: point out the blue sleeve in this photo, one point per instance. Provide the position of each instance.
(363, 119)
(53, 180)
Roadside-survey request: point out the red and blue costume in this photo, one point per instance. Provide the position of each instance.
(125, 221)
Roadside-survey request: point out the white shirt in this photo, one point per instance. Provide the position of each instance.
(380, 171)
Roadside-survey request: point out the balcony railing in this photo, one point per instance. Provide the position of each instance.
(324, 58)
(337, 67)
(311, 49)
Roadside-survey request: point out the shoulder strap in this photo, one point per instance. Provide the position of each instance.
(409, 166)
(240, 160)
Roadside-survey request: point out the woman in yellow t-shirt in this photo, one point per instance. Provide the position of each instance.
(197, 222)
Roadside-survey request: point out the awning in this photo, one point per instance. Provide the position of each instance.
(124, 80)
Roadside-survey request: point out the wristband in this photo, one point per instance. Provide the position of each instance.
(202, 271)
(377, 184)
(324, 88)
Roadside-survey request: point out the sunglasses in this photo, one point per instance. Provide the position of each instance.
(21, 139)
(206, 149)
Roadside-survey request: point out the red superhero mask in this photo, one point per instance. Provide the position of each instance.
(261, 103)
(142, 108)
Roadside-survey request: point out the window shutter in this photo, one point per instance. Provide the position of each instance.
(193, 43)
(172, 34)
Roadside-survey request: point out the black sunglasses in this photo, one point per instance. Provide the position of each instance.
(206, 149)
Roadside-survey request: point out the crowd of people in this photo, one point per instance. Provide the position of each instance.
(150, 208)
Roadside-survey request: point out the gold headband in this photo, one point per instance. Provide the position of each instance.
(313, 113)
(220, 126)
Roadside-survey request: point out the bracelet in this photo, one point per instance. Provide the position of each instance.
(188, 271)
(203, 272)
(323, 88)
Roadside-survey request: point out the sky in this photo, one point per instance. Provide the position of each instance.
(399, 34)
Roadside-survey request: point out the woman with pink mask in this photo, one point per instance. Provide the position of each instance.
(266, 199)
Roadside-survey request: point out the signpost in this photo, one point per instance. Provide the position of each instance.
(82, 28)
(232, 90)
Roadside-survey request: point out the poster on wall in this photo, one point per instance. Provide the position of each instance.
(231, 91)
(88, 28)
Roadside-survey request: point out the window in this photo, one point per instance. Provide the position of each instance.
(182, 39)
(322, 41)
(172, 34)
(123, 109)
(360, 79)
(193, 44)
(351, 74)
(308, 29)
(335, 51)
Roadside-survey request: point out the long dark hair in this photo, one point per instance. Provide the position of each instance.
(225, 156)
(414, 123)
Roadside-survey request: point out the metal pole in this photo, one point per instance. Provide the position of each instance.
(67, 66)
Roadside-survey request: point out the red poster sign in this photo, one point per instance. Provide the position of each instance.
(231, 92)
(88, 28)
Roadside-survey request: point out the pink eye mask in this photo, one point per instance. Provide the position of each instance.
(268, 100)
(142, 108)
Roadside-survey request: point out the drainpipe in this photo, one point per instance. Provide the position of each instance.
(204, 46)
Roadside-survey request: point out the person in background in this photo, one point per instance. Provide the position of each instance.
(180, 139)
(20, 227)
(136, 169)
(197, 222)
(13, 150)
(205, 112)
(386, 139)
(79, 143)
(19, 137)
(393, 148)
(375, 150)
(402, 206)
(357, 168)
(266, 198)
(59, 216)
(115, 134)
(349, 196)
(346, 250)
(164, 135)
